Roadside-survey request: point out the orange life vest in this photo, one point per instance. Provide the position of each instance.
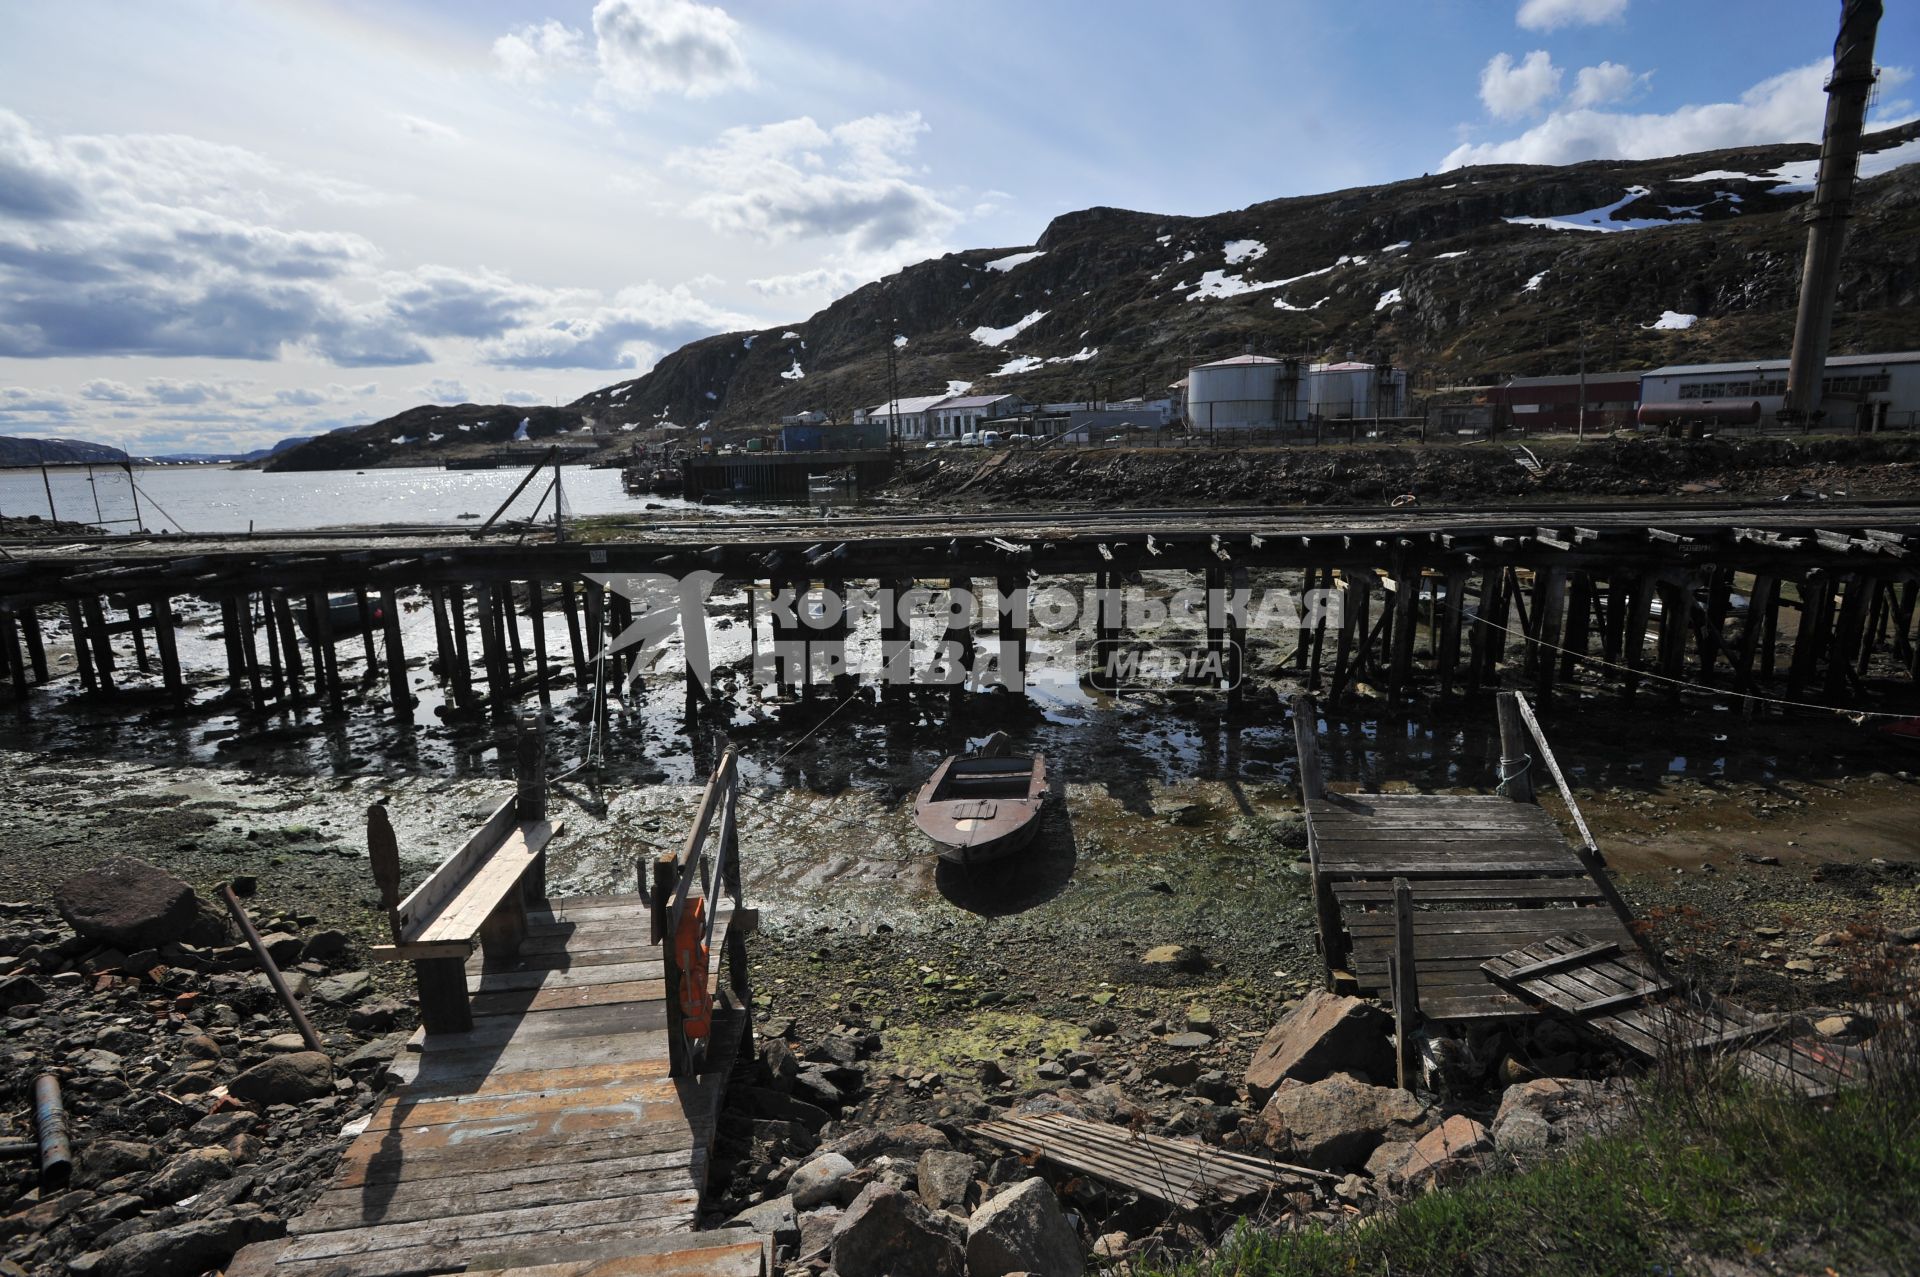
(690, 955)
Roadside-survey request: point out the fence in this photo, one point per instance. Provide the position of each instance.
(685, 913)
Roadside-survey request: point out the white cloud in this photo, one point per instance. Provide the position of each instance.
(431, 130)
(529, 54)
(643, 323)
(444, 390)
(1599, 85)
(103, 390)
(1550, 15)
(673, 46)
(794, 179)
(1789, 107)
(640, 48)
(171, 390)
(1511, 90)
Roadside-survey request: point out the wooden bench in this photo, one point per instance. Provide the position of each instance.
(479, 893)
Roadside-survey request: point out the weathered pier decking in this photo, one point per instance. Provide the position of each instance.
(1791, 601)
(559, 1105)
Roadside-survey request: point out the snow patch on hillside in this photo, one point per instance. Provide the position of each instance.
(1672, 320)
(1244, 250)
(1001, 336)
(1015, 259)
(1603, 219)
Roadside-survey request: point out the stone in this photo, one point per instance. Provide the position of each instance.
(774, 1217)
(103, 1160)
(1189, 1041)
(1200, 1020)
(185, 1250)
(1176, 1073)
(1178, 956)
(131, 904)
(886, 1233)
(1021, 1229)
(1522, 1131)
(283, 947)
(1384, 1163)
(814, 1087)
(863, 1145)
(284, 1079)
(98, 1061)
(1336, 1122)
(1324, 1033)
(1112, 1245)
(824, 1179)
(20, 991)
(285, 1043)
(374, 1017)
(189, 1172)
(816, 1231)
(324, 945)
(1447, 1153)
(1549, 1097)
(218, 1128)
(781, 1064)
(341, 989)
(199, 1046)
(947, 1178)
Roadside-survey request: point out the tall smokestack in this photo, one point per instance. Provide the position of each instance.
(1832, 204)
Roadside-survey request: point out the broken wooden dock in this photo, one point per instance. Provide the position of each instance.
(1442, 883)
(568, 1115)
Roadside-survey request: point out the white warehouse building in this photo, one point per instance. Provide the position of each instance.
(1258, 391)
(1859, 392)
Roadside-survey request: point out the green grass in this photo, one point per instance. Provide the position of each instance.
(1713, 1166)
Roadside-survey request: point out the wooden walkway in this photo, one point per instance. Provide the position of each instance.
(550, 1133)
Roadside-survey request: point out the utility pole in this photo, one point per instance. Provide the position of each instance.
(1832, 205)
(1580, 426)
(893, 377)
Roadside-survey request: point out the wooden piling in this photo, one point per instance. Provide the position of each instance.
(1550, 591)
(250, 651)
(1848, 632)
(163, 639)
(1010, 587)
(1633, 636)
(1816, 603)
(82, 659)
(399, 694)
(499, 683)
(290, 645)
(463, 657)
(13, 659)
(1760, 607)
(29, 620)
(1574, 639)
(537, 620)
(326, 662)
(230, 637)
(571, 606)
(509, 623)
(102, 642)
(139, 638)
(1405, 986)
(366, 630)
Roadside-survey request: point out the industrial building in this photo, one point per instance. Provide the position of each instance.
(922, 417)
(1260, 392)
(1541, 405)
(1859, 392)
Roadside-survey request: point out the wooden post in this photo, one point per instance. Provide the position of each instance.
(1313, 788)
(1488, 626)
(289, 644)
(571, 606)
(1633, 638)
(1239, 587)
(1676, 618)
(1447, 658)
(1770, 634)
(1319, 629)
(37, 648)
(277, 685)
(163, 639)
(1848, 633)
(530, 797)
(272, 969)
(139, 638)
(102, 643)
(960, 629)
(1713, 631)
(1759, 605)
(383, 856)
(1406, 987)
(443, 995)
(366, 629)
(249, 650)
(15, 661)
(1902, 624)
(1301, 651)
(1353, 621)
(82, 662)
(896, 636)
(499, 685)
(398, 692)
(1579, 623)
(442, 636)
(509, 623)
(1816, 603)
(1876, 624)
(1406, 622)
(463, 667)
(326, 661)
(537, 619)
(230, 636)
(1013, 629)
(1516, 750)
(1549, 595)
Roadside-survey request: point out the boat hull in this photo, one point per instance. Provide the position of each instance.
(978, 809)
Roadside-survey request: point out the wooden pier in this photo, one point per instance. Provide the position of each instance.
(1783, 601)
(555, 1115)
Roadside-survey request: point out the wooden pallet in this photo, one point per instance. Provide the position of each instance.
(1182, 1173)
(1618, 994)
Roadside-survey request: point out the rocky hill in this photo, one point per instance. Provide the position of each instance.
(55, 452)
(1458, 277)
(430, 434)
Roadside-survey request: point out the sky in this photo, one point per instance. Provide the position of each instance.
(225, 222)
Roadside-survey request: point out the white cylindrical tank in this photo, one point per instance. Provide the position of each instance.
(1236, 392)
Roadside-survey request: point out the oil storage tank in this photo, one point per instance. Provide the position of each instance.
(1245, 391)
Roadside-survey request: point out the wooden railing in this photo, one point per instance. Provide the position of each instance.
(689, 891)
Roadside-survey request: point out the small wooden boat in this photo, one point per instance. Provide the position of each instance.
(343, 617)
(984, 805)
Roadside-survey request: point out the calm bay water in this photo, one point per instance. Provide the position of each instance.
(196, 499)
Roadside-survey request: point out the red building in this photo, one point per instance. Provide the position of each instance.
(1551, 405)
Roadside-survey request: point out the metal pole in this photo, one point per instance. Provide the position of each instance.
(1832, 205)
(139, 524)
(41, 448)
(1580, 427)
(278, 981)
(50, 1122)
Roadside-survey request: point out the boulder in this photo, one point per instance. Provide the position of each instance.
(1022, 1229)
(1447, 1153)
(1336, 1122)
(886, 1233)
(132, 904)
(218, 1128)
(20, 991)
(947, 1178)
(1323, 1034)
(781, 1064)
(824, 1179)
(284, 1079)
(342, 989)
(189, 1172)
(812, 1085)
(185, 1250)
(103, 1160)
(774, 1218)
(816, 1231)
(1522, 1131)
(863, 1145)
(325, 945)
(374, 1017)
(283, 947)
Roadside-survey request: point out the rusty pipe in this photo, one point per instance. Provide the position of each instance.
(267, 964)
(50, 1123)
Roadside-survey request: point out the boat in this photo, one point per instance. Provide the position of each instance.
(343, 618)
(985, 805)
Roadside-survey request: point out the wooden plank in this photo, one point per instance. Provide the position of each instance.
(427, 1246)
(1414, 867)
(459, 916)
(441, 884)
(563, 959)
(562, 977)
(1573, 958)
(514, 1082)
(571, 1022)
(523, 1189)
(1460, 921)
(437, 1062)
(587, 994)
(1517, 891)
(737, 1259)
(415, 951)
(396, 1161)
(644, 1095)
